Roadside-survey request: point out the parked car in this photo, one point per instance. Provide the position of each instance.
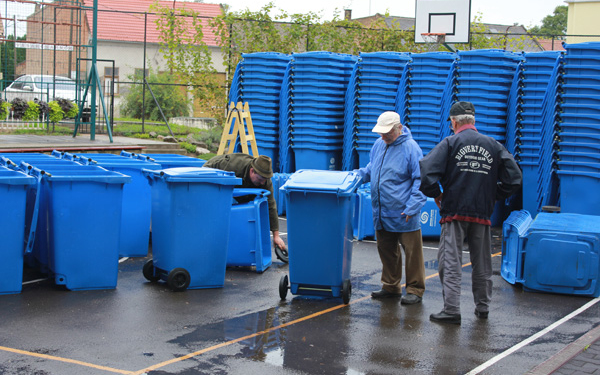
(42, 87)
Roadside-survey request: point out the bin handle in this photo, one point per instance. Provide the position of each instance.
(34, 217)
(259, 193)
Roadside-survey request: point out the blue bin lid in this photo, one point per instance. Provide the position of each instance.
(194, 174)
(342, 183)
(80, 173)
(12, 177)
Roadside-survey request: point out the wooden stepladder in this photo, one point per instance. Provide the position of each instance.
(238, 120)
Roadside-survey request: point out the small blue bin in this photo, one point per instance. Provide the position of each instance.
(83, 211)
(189, 246)
(13, 194)
(319, 223)
(249, 237)
(430, 219)
(363, 215)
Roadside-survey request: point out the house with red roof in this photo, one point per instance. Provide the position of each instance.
(124, 29)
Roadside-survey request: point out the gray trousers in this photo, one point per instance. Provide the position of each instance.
(479, 240)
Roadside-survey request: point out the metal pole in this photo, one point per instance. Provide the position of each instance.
(144, 75)
(93, 82)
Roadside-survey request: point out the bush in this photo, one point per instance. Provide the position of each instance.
(19, 106)
(171, 99)
(44, 109)
(56, 112)
(70, 109)
(188, 147)
(4, 109)
(32, 112)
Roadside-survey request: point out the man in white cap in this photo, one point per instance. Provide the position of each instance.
(393, 171)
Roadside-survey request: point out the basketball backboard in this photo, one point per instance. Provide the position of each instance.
(450, 17)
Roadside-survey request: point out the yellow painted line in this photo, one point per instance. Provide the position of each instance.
(205, 350)
(66, 360)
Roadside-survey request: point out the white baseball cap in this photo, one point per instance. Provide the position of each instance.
(386, 122)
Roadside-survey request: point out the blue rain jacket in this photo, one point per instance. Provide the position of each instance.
(395, 180)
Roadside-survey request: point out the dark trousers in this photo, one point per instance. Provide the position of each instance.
(388, 245)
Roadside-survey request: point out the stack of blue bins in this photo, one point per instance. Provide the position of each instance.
(286, 154)
(429, 74)
(547, 181)
(278, 180)
(579, 147)
(67, 199)
(555, 253)
(484, 79)
(537, 69)
(137, 208)
(318, 83)
(260, 79)
(379, 76)
(13, 198)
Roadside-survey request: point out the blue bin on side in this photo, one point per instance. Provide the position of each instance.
(249, 235)
(319, 218)
(137, 200)
(13, 194)
(559, 253)
(189, 246)
(83, 211)
(168, 160)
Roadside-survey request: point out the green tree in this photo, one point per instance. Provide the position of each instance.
(553, 25)
(7, 59)
(170, 97)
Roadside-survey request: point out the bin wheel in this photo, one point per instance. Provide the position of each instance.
(178, 279)
(283, 286)
(148, 271)
(281, 254)
(346, 291)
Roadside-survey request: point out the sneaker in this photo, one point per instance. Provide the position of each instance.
(443, 317)
(410, 299)
(385, 294)
(481, 314)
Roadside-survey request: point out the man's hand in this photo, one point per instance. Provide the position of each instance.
(407, 217)
(438, 200)
(277, 241)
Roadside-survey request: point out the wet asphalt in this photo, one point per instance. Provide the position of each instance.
(245, 328)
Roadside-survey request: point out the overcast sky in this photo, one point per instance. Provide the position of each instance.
(505, 12)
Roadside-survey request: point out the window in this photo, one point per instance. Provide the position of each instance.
(111, 75)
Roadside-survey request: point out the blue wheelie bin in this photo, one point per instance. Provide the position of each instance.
(13, 192)
(191, 211)
(137, 202)
(249, 236)
(83, 214)
(319, 222)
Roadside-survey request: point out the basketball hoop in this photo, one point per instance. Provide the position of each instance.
(433, 40)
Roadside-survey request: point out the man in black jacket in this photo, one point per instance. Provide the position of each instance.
(474, 171)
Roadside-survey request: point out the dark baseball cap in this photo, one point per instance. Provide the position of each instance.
(462, 108)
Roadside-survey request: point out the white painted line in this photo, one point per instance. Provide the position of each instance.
(430, 247)
(33, 281)
(530, 339)
(121, 260)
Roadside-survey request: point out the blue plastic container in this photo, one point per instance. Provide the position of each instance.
(249, 236)
(83, 214)
(319, 219)
(562, 254)
(189, 248)
(170, 160)
(13, 194)
(318, 157)
(578, 192)
(514, 229)
(363, 215)
(430, 219)
(137, 203)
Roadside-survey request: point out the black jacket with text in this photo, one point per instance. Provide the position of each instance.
(474, 171)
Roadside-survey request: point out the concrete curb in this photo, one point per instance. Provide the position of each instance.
(567, 353)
